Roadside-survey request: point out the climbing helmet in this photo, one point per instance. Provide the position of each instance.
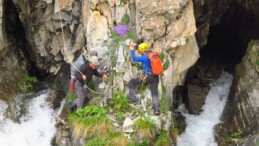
(143, 47)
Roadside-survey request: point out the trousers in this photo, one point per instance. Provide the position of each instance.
(83, 95)
(151, 79)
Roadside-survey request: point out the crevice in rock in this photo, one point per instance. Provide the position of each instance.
(17, 37)
(227, 41)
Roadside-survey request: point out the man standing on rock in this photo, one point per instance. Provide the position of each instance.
(83, 76)
(147, 75)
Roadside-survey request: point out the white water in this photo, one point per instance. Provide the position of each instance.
(36, 127)
(199, 130)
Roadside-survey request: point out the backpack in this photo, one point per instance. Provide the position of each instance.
(156, 63)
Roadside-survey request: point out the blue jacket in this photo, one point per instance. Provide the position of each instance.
(144, 61)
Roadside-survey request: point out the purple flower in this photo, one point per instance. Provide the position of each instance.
(121, 29)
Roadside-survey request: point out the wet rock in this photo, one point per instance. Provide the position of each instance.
(56, 97)
(63, 134)
(197, 84)
(241, 110)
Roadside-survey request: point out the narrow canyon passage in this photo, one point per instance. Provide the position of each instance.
(200, 128)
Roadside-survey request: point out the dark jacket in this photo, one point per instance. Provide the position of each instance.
(88, 72)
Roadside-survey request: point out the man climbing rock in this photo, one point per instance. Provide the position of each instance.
(83, 76)
(147, 75)
(77, 64)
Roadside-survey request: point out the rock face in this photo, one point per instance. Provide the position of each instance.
(57, 31)
(197, 84)
(12, 61)
(2, 28)
(210, 13)
(241, 110)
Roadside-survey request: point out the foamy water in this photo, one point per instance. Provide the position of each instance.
(199, 130)
(36, 127)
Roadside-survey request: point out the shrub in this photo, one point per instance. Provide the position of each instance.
(119, 103)
(118, 139)
(125, 19)
(71, 97)
(234, 135)
(97, 141)
(90, 121)
(166, 64)
(26, 82)
(164, 104)
(163, 139)
(145, 128)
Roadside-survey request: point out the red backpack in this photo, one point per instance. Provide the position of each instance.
(156, 63)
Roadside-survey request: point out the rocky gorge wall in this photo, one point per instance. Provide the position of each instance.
(236, 22)
(241, 111)
(56, 32)
(88, 24)
(169, 26)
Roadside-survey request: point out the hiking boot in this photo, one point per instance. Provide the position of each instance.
(157, 112)
(133, 102)
(70, 107)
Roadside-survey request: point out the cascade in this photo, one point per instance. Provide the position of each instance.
(28, 122)
(199, 130)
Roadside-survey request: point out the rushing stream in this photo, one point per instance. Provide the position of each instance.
(199, 130)
(27, 121)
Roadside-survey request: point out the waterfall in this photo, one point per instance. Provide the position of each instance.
(34, 126)
(200, 128)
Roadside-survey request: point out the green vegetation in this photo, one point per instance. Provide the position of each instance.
(125, 19)
(119, 104)
(90, 121)
(166, 64)
(112, 139)
(234, 135)
(145, 127)
(55, 87)
(71, 97)
(91, 110)
(257, 55)
(117, 139)
(163, 139)
(164, 104)
(162, 56)
(118, 40)
(144, 142)
(26, 81)
(175, 132)
(90, 85)
(97, 141)
(123, 2)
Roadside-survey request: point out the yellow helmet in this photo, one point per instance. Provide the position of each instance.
(143, 47)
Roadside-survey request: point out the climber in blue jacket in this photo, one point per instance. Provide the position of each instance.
(147, 76)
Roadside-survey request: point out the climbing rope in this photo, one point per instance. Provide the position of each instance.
(66, 53)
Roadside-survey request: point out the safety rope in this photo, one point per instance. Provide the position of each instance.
(69, 59)
(65, 49)
(63, 38)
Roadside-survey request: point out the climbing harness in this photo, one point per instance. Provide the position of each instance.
(143, 77)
